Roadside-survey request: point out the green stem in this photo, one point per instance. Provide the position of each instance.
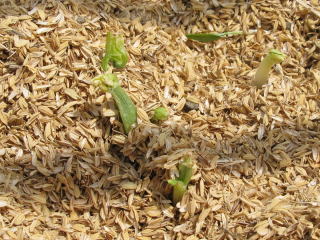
(180, 184)
(185, 171)
(179, 189)
(262, 74)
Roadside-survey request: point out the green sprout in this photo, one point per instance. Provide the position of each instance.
(262, 74)
(109, 82)
(208, 37)
(115, 52)
(180, 184)
(160, 114)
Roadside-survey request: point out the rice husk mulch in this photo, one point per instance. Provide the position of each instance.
(68, 171)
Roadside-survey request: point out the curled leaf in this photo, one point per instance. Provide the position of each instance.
(115, 52)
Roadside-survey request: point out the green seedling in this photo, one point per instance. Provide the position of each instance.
(160, 114)
(262, 74)
(109, 82)
(115, 52)
(180, 184)
(208, 37)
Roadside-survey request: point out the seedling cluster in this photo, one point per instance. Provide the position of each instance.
(117, 55)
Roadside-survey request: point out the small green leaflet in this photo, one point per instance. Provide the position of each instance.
(208, 37)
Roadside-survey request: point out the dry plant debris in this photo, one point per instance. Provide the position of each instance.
(67, 171)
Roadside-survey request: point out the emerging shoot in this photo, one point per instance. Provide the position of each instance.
(115, 52)
(160, 114)
(180, 184)
(128, 111)
(262, 74)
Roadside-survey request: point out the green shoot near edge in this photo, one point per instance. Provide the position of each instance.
(262, 74)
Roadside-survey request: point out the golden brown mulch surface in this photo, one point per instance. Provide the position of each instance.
(69, 172)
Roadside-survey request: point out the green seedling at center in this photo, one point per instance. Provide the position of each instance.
(108, 82)
(180, 184)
